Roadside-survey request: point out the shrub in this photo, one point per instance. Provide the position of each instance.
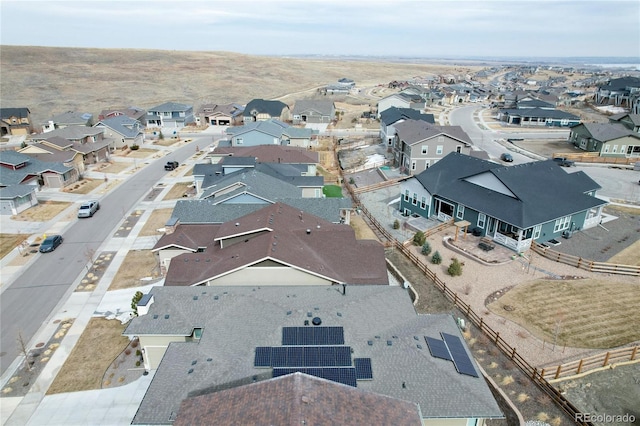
(455, 269)
(351, 181)
(135, 147)
(138, 353)
(436, 259)
(160, 135)
(127, 352)
(396, 224)
(419, 238)
(426, 248)
(137, 363)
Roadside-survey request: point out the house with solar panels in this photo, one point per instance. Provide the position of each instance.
(511, 205)
(363, 341)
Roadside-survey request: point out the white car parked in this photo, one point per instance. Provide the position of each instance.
(89, 208)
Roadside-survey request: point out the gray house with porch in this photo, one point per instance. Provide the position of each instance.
(512, 205)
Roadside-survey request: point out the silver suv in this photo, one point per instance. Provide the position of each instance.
(88, 209)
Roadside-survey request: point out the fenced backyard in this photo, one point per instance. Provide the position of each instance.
(586, 264)
(590, 364)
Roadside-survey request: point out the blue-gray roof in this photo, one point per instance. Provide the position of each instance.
(14, 112)
(381, 315)
(72, 117)
(540, 113)
(262, 106)
(270, 127)
(530, 194)
(15, 191)
(394, 114)
(33, 167)
(169, 107)
(253, 181)
(127, 127)
(72, 133)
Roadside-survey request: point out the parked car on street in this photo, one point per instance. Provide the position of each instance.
(88, 209)
(171, 165)
(562, 161)
(506, 157)
(50, 243)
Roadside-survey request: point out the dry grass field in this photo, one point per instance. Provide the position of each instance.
(156, 221)
(52, 80)
(10, 241)
(137, 264)
(84, 186)
(178, 190)
(115, 167)
(98, 346)
(582, 313)
(44, 211)
(363, 231)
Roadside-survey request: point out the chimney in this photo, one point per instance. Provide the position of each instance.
(171, 225)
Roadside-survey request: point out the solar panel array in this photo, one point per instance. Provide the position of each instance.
(363, 368)
(437, 348)
(344, 375)
(460, 358)
(303, 356)
(309, 336)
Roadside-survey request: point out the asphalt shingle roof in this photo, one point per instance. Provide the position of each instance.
(169, 107)
(15, 191)
(540, 113)
(262, 106)
(394, 114)
(604, 132)
(272, 153)
(319, 106)
(126, 126)
(33, 167)
(236, 320)
(414, 131)
(72, 133)
(536, 192)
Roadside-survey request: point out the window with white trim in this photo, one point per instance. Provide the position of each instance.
(406, 195)
(239, 141)
(439, 150)
(458, 149)
(536, 231)
(415, 199)
(606, 148)
(413, 165)
(425, 149)
(460, 212)
(481, 220)
(615, 149)
(622, 149)
(423, 203)
(562, 224)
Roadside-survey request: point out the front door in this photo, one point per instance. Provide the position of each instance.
(491, 226)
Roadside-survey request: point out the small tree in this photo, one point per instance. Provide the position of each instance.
(426, 248)
(24, 351)
(396, 224)
(455, 269)
(419, 238)
(134, 302)
(160, 135)
(436, 259)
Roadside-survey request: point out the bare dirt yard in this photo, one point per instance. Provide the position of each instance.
(10, 241)
(156, 221)
(84, 186)
(43, 212)
(137, 264)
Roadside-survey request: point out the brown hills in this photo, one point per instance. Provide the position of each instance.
(50, 80)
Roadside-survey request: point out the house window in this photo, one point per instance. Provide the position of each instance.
(413, 165)
(481, 220)
(622, 148)
(564, 122)
(561, 224)
(406, 195)
(458, 149)
(536, 231)
(606, 148)
(197, 333)
(166, 114)
(460, 213)
(239, 141)
(426, 164)
(425, 149)
(439, 150)
(423, 203)
(415, 199)
(615, 149)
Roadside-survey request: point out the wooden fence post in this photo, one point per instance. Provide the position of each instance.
(633, 353)
(606, 359)
(497, 337)
(513, 352)
(481, 323)
(558, 372)
(579, 367)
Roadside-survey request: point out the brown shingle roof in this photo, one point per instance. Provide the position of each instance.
(296, 399)
(272, 153)
(282, 234)
(191, 237)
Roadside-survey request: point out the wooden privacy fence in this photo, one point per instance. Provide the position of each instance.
(532, 372)
(595, 362)
(594, 157)
(379, 185)
(586, 264)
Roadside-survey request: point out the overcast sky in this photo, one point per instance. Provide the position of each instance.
(420, 28)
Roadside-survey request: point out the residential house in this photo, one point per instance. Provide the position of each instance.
(123, 130)
(88, 141)
(630, 121)
(313, 111)
(401, 100)
(66, 119)
(17, 198)
(17, 168)
(286, 399)
(56, 149)
(208, 345)
(392, 116)
(512, 205)
(613, 139)
(271, 154)
(261, 110)
(418, 144)
(170, 115)
(276, 245)
(270, 132)
(537, 116)
(15, 122)
(220, 115)
(618, 92)
(136, 113)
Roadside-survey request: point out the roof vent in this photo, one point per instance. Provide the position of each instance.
(308, 231)
(237, 224)
(306, 322)
(195, 297)
(370, 342)
(190, 370)
(166, 316)
(316, 321)
(389, 342)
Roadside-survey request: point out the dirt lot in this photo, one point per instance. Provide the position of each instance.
(43, 212)
(137, 264)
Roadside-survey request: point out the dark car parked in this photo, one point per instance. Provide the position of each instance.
(50, 243)
(171, 165)
(506, 157)
(564, 162)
